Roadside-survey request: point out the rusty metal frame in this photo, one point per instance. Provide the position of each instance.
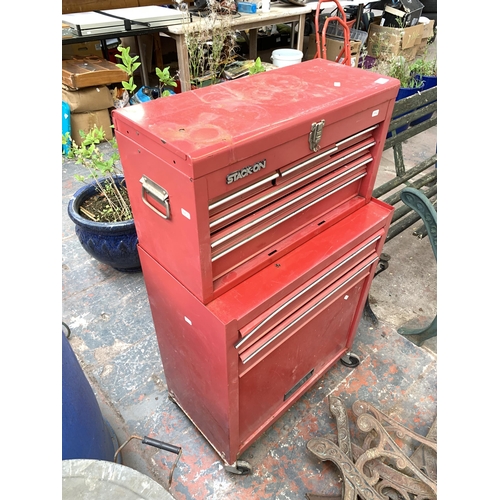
(379, 469)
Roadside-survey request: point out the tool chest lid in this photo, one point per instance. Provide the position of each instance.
(222, 124)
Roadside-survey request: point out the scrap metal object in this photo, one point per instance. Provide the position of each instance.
(426, 459)
(354, 481)
(387, 448)
(157, 444)
(379, 468)
(338, 410)
(361, 407)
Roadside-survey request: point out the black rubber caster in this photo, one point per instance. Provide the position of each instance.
(350, 360)
(240, 467)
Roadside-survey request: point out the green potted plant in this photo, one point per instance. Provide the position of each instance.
(425, 70)
(210, 45)
(100, 209)
(129, 93)
(257, 67)
(398, 67)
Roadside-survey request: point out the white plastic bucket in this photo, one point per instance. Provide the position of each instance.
(286, 57)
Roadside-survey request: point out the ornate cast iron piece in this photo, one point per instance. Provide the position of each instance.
(426, 459)
(394, 480)
(361, 407)
(338, 410)
(379, 469)
(388, 449)
(354, 482)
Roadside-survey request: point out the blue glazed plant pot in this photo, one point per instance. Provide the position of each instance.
(404, 92)
(428, 83)
(112, 243)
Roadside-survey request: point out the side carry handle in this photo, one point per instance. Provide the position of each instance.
(156, 192)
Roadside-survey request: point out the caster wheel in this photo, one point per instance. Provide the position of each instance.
(350, 360)
(239, 467)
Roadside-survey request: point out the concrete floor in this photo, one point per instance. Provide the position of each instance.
(113, 337)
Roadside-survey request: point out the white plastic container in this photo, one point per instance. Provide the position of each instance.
(266, 5)
(286, 57)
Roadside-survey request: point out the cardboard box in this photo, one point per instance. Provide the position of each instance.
(422, 48)
(90, 72)
(85, 121)
(333, 49)
(428, 29)
(88, 99)
(406, 15)
(384, 43)
(86, 49)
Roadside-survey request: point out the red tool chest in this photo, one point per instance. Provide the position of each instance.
(258, 234)
(226, 179)
(238, 363)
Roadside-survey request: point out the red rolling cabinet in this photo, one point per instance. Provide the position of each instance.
(258, 234)
(238, 363)
(227, 179)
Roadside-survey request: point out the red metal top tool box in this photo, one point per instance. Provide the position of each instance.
(226, 179)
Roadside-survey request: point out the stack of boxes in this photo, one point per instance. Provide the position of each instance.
(401, 31)
(405, 34)
(384, 42)
(84, 89)
(334, 47)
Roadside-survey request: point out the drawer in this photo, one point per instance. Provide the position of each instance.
(236, 244)
(289, 316)
(285, 307)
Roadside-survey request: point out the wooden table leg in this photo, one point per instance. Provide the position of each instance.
(300, 34)
(183, 61)
(252, 46)
(142, 58)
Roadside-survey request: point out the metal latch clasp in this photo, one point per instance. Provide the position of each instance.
(315, 135)
(157, 193)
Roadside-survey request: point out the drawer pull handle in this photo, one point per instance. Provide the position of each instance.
(242, 192)
(326, 153)
(271, 226)
(156, 192)
(302, 292)
(357, 135)
(275, 194)
(298, 385)
(329, 151)
(305, 313)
